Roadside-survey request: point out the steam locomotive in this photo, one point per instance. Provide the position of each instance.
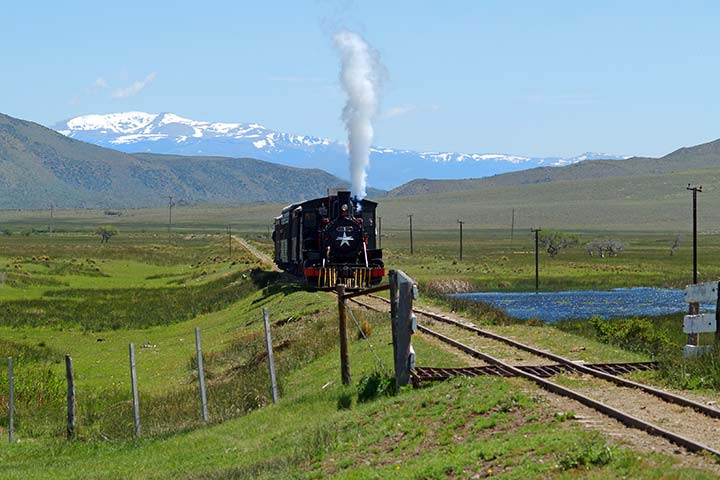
(330, 241)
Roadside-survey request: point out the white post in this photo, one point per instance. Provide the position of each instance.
(133, 381)
(11, 412)
(271, 359)
(403, 291)
(201, 375)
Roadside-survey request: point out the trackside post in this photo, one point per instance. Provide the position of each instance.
(403, 291)
(342, 325)
(201, 376)
(71, 404)
(271, 357)
(11, 406)
(135, 400)
(697, 323)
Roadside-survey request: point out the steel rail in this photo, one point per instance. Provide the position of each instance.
(625, 418)
(443, 373)
(623, 382)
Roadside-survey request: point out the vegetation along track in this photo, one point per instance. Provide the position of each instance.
(643, 406)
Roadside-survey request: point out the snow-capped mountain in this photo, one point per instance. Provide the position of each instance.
(171, 134)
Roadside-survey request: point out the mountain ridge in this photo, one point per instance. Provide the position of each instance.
(173, 134)
(706, 155)
(40, 166)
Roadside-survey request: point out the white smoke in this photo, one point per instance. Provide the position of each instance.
(361, 76)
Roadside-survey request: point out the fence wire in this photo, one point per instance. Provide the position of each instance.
(352, 315)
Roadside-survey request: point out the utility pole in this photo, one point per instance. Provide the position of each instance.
(694, 307)
(512, 226)
(380, 232)
(170, 205)
(411, 236)
(537, 257)
(229, 233)
(461, 225)
(695, 191)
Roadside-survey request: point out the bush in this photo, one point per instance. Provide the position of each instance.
(365, 329)
(586, 453)
(344, 401)
(636, 334)
(702, 372)
(375, 385)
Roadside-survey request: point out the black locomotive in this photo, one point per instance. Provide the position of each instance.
(329, 241)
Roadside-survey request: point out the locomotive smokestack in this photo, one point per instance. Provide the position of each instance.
(344, 198)
(361, 77)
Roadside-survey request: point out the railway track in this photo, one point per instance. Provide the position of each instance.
(539, 375)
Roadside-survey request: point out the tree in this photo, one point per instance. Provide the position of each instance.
(605, 246)
(554, 241)
(106, 232)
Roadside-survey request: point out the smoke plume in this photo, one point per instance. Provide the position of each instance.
(361, 78)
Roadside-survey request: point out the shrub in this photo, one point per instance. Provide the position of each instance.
(586, 453)
(375, 385)
(636, 334)
(344, 401)
(365, 329)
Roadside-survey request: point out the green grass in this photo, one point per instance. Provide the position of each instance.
(463, 427)
(320, 429)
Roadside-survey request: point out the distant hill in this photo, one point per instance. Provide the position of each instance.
(702, 156)
(39, 166)
(389, 167)
(620, 203)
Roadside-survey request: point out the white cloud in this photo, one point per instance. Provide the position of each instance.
(136, 87)
(100, 82)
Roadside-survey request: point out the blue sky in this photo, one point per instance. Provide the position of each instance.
(530, 78)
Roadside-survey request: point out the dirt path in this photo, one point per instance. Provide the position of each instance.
(256, 253)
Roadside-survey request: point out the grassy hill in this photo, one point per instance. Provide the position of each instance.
(698, 157)
(631, 203)
(653, 203)
(40, 166)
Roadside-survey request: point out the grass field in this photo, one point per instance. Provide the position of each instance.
(69, 294)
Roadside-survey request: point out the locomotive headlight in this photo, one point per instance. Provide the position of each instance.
(344, 208)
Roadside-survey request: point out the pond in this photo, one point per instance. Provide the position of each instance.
(619, 303)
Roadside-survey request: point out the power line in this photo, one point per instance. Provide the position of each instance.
(411, 234)
(170, 205)
(461, 237)
(537, 258)
(695, 191)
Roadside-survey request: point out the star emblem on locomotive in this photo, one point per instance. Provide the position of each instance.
(344, 240)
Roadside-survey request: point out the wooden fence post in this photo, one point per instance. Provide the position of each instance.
(717, 319)
(70, 398)
(271, 358)
(694, 338)
(135, 400)
(11, 408)
(342, 323)
(201, 375)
